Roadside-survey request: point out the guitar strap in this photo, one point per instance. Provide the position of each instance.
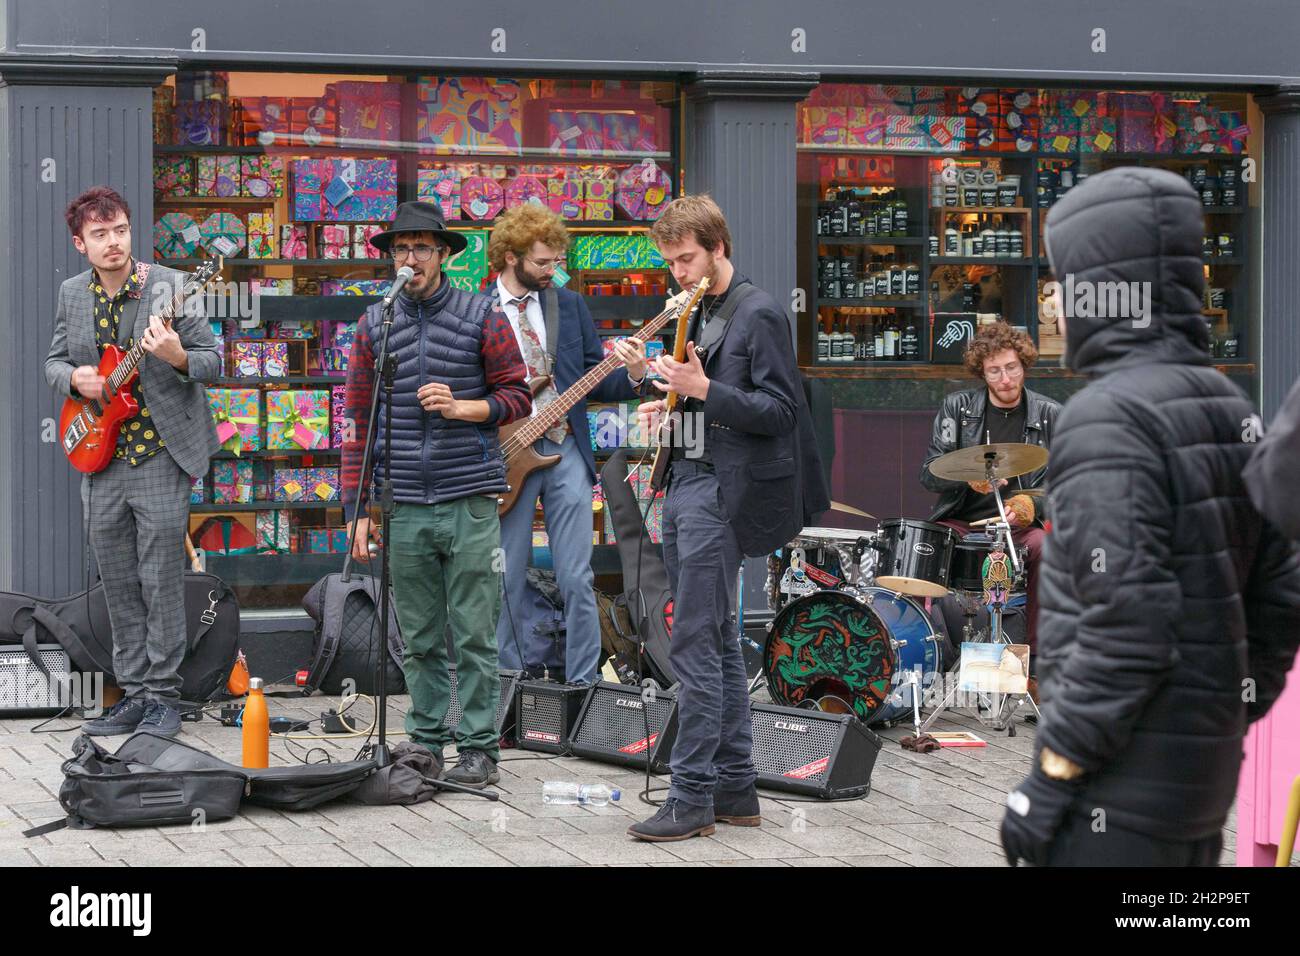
(717, 326)
(131, 311)
(551, 316)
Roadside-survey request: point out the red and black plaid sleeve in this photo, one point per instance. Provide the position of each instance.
(509, 397)
(361, 379)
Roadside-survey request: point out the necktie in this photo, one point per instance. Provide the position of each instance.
(535, 359)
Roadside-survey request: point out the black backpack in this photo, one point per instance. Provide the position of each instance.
(156, 781)
(81, 626)
(346, 613)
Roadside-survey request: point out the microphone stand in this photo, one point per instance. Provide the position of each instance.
(387, 368)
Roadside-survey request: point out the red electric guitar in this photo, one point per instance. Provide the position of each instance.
(88, 427)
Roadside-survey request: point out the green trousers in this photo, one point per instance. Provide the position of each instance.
(446, 569)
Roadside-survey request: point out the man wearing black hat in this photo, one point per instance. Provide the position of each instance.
(459, 375)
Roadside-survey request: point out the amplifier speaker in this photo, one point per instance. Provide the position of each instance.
(612, 727)
(505, 717)
(545, 714)
(813, 753)
(24, 689)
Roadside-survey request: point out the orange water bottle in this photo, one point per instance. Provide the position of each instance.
(257, 727)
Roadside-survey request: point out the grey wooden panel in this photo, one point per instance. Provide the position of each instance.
(93, 136)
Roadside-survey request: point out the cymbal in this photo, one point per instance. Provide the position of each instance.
(847, 509)
(1009, 460)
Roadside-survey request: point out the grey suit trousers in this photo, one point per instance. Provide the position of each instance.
(137, 518)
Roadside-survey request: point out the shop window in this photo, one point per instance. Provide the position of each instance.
(288, 175)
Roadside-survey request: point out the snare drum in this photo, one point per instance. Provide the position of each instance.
(915, 557)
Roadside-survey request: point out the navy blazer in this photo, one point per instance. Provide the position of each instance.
(579, 348)
(758, 430)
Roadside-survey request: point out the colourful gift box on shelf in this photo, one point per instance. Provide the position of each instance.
(945, 134)
(216, 176)
(441, 186)
(246, 358)
(339, 424)
(355, 286)
(293, 241)
(306, 484)
(1097, 134)
(313, 120)
(275, 359)
(333, 242)
(237, 415)
(1078, 103)
(173, 176)
(865, 126)
(275, 529)
(980, 107)
(338, 335)
(565, 197)
(481, 197)
(905, 132)
(919, 100)
(598, 196)
(478, 114)
(201, 123)
(306, 179)
(630, 132)
(368, 111)
(1231, 132)
(291, 329)
(176, 236)
(238, 482)
(297, 419)
(271, 286)
(643, 191)
(262, 236)
(197, 495)
(324, 540)
(226, 534)
(373, 190)
(261, 177)
(467, 269)
(613, 252)
(825, 125)
(1058, 134)
(1018, 121)
(361, 236)
(525, 189)
(223, 234)
(265, 120)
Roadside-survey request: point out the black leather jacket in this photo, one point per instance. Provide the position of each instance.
(959, 425)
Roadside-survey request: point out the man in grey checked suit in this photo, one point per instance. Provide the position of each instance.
(138, 506)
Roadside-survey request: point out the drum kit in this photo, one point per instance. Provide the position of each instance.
(851, 633)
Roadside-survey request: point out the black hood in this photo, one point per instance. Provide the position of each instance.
(1131, 225)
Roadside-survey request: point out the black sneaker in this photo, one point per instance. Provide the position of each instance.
(474, 769)
(122, 718)
(674, 821)
(161, 718)
(737, 807)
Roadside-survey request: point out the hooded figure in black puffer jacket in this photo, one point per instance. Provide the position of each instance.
(1170, 611)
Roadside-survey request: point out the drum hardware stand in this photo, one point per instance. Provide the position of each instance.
(1009, 702)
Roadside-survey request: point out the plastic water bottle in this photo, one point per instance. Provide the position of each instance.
(587, 794)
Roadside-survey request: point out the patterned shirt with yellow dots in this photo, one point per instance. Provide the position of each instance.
(138, 440)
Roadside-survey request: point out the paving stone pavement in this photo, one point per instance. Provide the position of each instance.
(940, 809)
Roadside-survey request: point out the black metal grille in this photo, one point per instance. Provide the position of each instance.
(794, 746)
(24, 687)
(607, 727)
(456, 713)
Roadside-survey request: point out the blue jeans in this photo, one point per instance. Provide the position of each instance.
(565, 491)
(714, 733)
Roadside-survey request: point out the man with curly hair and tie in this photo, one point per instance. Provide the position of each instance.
(1003, 410)
(556, 337)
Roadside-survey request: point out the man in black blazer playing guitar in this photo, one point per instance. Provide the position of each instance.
(745, 478)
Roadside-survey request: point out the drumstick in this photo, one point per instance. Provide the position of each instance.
(983, 521)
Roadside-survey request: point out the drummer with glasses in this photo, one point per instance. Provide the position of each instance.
(1000, 410)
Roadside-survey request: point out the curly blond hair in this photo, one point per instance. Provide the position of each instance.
(996, 338)
(520, 227)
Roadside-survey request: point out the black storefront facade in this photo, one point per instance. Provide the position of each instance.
(731, 103)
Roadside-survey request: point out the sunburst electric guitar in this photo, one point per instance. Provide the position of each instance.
(517, 438)
(88, 427)
(663, 453)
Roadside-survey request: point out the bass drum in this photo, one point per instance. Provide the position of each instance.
(838, 651)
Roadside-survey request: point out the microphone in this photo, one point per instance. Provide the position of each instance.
(404, 275)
